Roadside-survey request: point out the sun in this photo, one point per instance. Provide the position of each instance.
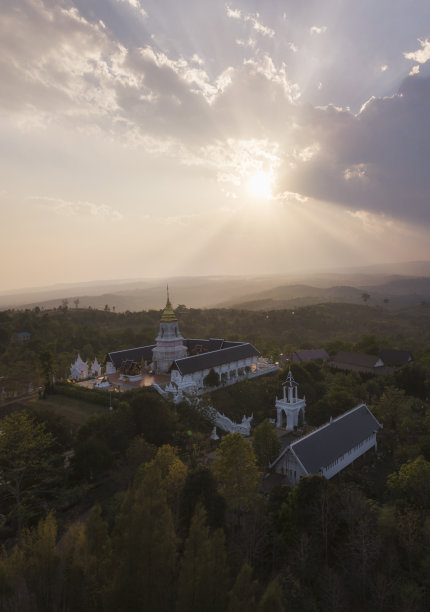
(260, 185)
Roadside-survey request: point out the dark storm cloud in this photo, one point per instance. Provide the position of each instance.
(377, 160)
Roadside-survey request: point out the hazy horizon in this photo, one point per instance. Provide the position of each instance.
(155, 139)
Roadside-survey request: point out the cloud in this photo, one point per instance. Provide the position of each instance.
(372, 161)
(420, 55)
(317, 29)
(227, 124)
(136, 5)
(232, 13)
(77, 208)
(252, 18)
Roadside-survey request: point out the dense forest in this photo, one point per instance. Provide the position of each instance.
(65, 331)
(138, 509)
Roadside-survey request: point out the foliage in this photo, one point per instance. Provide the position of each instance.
(211, 379)
(266, 444)
(412, 482)
(202, 583)
(236, 470)
(243, 594)
(154, 417)
(24, 459)
(200, 487)
(144, 548)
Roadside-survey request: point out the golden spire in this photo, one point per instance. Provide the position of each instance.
(168, 315)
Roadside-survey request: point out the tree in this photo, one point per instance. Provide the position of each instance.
(153, 417)
(76, 302)
(412, 482)
(272, 600)
(95, 558)
(203, 576)
(144, 548)
(47, 363)
(365, 297)
(173, 473)
(236, 470)
(24, 458)
(41, 568)
(212, 379)
(243, 594)
(200, 486)
(266, 444)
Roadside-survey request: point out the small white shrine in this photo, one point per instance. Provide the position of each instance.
(95, 368)
(290, 409)
(79, 370)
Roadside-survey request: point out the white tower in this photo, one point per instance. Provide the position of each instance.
(290, 406)
(169, 341)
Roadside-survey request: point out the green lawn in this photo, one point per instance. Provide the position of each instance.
(75, 411)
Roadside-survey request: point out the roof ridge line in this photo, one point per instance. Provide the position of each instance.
(330, 423)
(214, 351)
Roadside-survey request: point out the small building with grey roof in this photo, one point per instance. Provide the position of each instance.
(310, 355)
(359, 362)
(330, 448)
(396, 357)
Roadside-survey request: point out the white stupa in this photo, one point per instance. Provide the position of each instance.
(170, 343)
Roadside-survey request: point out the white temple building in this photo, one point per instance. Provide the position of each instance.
(187, 361)
(290, 409)
(330, 448)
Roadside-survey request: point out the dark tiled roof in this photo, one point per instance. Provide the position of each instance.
(204, 346)
(328, 443)
(215, 344)
(134, 354)
(230, 343)
(196, 343)
(309, 355)
(355, 359)
(205, 361)
(394, 357)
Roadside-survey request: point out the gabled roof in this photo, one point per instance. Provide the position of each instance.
(356, 359)
(310, 355)
(323, 446)
(135, 354)
(359, 362)
(205, 361)
(213, 344)
(394, 357)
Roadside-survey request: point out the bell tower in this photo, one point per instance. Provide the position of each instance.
(170, 343)
(290, 409)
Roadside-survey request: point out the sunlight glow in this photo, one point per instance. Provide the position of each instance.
(260, 185)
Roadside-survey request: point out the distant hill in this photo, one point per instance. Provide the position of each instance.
(397, 293)
(264, 292)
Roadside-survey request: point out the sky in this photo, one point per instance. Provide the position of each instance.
(144, 138)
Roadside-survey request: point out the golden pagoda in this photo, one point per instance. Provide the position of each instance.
(168, 315)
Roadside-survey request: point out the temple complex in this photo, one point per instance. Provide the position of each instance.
(187, 361)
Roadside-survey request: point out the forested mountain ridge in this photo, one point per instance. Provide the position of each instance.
(65, 332)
